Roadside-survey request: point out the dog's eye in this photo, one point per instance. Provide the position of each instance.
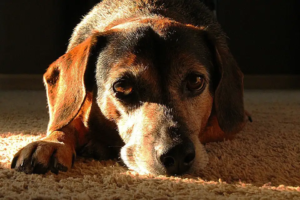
(123, 87)
(194, 82)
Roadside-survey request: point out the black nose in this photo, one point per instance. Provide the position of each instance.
(178, 159)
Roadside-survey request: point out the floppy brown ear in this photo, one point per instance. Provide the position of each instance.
(228, 99)
(228, 95)
(68, 79)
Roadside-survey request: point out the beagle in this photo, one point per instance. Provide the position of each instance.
(148, 81)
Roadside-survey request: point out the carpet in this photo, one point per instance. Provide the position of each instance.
(262, 162)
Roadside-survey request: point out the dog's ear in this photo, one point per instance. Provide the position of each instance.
(228, 100)
(228, 96)
(68, 79)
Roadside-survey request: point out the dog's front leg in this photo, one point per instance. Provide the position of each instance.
(55, 152)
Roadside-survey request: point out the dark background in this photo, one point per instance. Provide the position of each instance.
(263, 35)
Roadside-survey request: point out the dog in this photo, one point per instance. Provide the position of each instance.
(147, 80)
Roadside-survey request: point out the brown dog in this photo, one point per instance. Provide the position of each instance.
(144, 79)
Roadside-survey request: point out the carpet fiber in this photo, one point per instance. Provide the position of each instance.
(263, 162)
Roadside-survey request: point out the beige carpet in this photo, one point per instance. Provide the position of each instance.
(263, 162)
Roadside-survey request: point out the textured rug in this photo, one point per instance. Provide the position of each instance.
(263, 162)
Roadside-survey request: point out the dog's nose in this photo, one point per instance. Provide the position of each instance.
(178, 159)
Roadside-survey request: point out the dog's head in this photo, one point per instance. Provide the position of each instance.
(160, 82)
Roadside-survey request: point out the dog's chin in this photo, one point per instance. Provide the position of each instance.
(133, 161)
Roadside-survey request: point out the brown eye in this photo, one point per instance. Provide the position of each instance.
(194, 82)
(123, 87)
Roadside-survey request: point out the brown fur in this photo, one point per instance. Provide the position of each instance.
(155, 50)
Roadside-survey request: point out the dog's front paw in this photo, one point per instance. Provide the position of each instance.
(41, 156)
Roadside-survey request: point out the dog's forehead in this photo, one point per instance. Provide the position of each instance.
(152, 49)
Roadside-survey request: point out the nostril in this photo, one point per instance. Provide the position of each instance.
(168, 161)
(178, 159)
(189, 158)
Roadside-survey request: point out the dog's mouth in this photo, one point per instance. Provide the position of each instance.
(181, 158)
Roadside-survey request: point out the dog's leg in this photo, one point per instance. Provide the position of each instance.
(55, 152)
